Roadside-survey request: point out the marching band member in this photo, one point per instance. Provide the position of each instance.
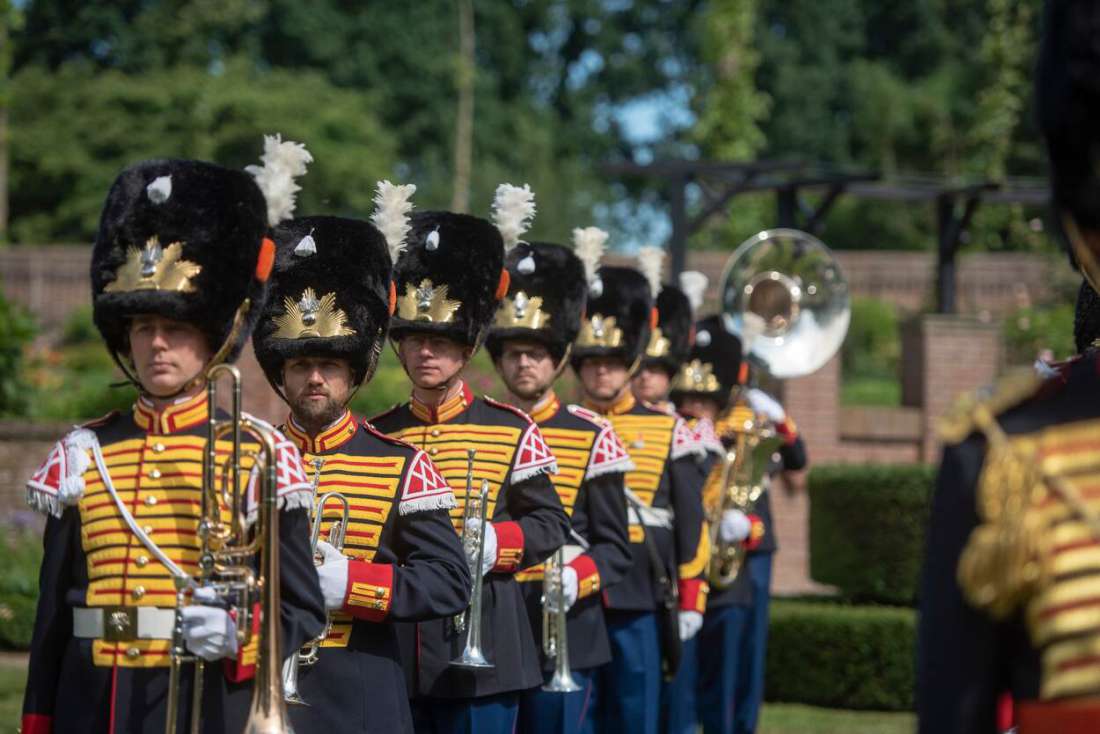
(1011, 586)
(663, 492)
(318, 342)
(529, 343)
(179, 272)
(450, 280)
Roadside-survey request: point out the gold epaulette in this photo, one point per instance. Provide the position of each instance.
(974, 411)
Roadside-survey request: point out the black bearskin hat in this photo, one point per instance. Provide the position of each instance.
(545, 301)
(185, 240)
(713, 366)
(450, 278)
(330, 296)
(670, 342)
(618, 321)
(1068, 101)
(1086, 320)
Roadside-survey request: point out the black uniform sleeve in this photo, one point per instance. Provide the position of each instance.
(432, 578)
(793, 455)
(533, 505)
(965, 660)
(687, 505)
(53, 621)
(303, 607)
(608, 532)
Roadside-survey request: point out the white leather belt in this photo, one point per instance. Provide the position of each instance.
(123, 624)
(654, 517)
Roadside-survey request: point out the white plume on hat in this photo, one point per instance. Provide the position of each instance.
(283, 161)
(650, 261)
(589, 244)
(513, 209)
(694, 285)
(392, 204)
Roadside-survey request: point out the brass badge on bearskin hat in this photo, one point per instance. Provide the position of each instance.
(154, 267)
(427, 302)
(598, 331)
(522, 312)
(696, 376)
(309, 317)
(659, 345)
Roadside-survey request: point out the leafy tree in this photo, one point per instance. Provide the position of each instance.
(17, 329)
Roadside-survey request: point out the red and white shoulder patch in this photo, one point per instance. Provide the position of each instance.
(425, 488)
(684, 442)
(708, 437)
(59, 481)
(608, 455)
(533, 456)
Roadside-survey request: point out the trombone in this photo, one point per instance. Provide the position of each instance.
(555, 638)
(337, 533)
(229, 547)
(473, 541)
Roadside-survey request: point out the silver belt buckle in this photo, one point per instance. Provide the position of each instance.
(120, 624)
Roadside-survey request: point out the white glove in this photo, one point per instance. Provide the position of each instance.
(734, 526)
(690, 624)
(209, 631)
(766, 405)
(490, 558)
(333, 573)
(569, 586)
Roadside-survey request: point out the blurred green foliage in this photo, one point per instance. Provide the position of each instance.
(871, 354)
(1027, 331)
(19, 562)
(17, 329)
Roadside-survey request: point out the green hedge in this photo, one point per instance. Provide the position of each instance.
(867, 529)
(840, 656)
(20, 558)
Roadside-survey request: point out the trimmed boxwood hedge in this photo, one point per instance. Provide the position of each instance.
(841, 656)
(867, 529)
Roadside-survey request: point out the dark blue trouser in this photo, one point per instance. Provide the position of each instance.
(486, 715)
(541, 712)
(629, 687)
(678, 695)
(750, 677)
(720, 644)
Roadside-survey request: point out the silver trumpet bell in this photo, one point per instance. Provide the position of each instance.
(472, 655)
(555, 639)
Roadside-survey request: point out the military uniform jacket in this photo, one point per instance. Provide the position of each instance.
(94, 561)
(1011, 583)
(666, 477)
(529, 522)
(407, 566)
(591, 461)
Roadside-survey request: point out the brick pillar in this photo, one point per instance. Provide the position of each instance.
(814, 404)
(960, 355)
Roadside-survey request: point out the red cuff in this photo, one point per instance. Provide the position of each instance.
(588, 576)
(693, 595)
(788, 430)
(756, 533)
(509, 546)
(370, 590)
(243, 667)
(36, 724)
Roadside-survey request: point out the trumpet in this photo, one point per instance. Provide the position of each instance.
(473, 541)
(555, 638)
(229, 547)
(310, 652)
(741, 483)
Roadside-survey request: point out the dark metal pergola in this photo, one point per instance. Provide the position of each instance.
(720, 182)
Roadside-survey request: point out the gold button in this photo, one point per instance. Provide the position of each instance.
(155, 474)
(142, 561)
(158, 447)
(138, 592)
(132, 652)
(435, 433)
(433, 451)
(150, 500)
(148, 529)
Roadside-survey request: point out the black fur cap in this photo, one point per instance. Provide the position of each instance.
(353, 263)
(554, 274)
(625, 297)
(718, 349)
(219, 217)
(674, 319)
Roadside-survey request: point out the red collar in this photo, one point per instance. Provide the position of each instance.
(546, 408)
(450, 408)
(624, 404)
(334, 436)
(172, 418)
